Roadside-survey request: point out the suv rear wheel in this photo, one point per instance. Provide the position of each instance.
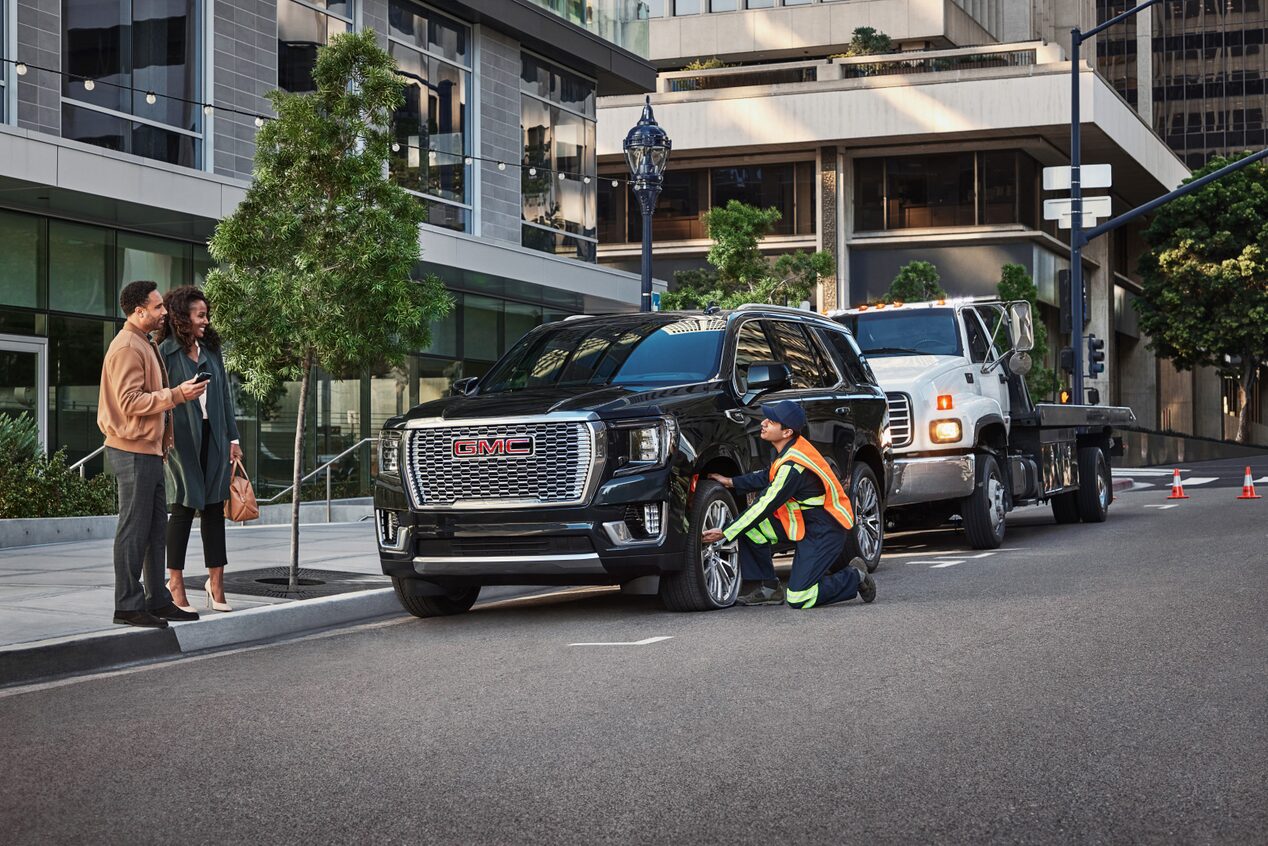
(710, 577)
(867, 537)
(433, 606)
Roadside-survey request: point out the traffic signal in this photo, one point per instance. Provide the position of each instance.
(1065, 358)
(1065, 305)
(1064, 395)
(1095, 355)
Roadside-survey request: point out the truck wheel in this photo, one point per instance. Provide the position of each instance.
(1095, 485)
(867, 537)
(433, 606)
(710, 577)
(1065, 508)
(984, 510)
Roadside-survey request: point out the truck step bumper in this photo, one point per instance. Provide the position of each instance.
(930, 479)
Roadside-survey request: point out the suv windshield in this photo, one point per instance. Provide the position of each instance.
(649, 351)
(924, 332)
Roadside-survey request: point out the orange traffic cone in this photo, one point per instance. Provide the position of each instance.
(1248, 488)
(1177, 490)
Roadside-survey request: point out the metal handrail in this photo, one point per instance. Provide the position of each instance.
(79, 465)
(327, 466)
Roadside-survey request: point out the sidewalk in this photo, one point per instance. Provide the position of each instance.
(57, 600)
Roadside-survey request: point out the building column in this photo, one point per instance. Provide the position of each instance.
(828, 292)
(1145, 65)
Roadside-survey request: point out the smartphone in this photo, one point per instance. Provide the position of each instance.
(203, 376)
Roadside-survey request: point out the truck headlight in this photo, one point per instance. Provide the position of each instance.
(390, 453)
(945, 431)
(646, 445)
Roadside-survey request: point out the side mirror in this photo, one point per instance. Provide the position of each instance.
(464, 387)
(766, 376)
(1019, 363)
(1021, 326)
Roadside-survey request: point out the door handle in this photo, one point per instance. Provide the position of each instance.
(734, 415)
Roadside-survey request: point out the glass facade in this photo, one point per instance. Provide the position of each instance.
(302, 27)
(558, 129)
(687, 195)
(954, 189)
(152, 46)
(432, 128)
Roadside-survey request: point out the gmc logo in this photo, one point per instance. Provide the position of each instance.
(516, 445)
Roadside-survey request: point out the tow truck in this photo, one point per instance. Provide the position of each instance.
(967, 439)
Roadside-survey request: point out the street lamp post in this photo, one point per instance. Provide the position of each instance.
(646, 151)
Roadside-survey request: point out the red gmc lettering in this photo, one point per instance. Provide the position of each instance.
(479, 447)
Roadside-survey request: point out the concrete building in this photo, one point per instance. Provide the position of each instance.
(933, 153)
(127, 131)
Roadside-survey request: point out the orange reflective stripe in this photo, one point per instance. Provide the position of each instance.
(837, 503)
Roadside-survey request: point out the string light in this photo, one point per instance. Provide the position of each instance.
(89, 85)
(532, 171)
(259, 120)
(468, 161)
(501, 165)
(396, 148)
(208, 109)
(150, 98)
(21, 68)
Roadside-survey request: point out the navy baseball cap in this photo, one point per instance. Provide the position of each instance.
(786, 413)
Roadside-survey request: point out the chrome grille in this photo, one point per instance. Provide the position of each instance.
(557, 473)
(899, 418)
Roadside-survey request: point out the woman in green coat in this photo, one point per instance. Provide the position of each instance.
(199, 468)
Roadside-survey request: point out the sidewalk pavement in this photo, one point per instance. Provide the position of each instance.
(57, 600)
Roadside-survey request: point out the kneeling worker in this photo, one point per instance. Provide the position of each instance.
(811, 509)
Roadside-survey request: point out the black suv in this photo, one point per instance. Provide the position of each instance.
(582, 456)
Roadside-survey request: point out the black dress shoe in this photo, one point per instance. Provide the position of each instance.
(171, 612)
(139, 618)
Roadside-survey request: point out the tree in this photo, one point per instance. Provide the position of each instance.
(1015, 284)
(1204, 298)
(315, 263)
(868, 41)
(739, 273)
(916, 282)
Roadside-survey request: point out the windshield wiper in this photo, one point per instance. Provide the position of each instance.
(890, 350)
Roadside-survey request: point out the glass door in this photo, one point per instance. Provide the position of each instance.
(24, 380)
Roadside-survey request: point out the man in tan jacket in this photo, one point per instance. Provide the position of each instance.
(134, 413)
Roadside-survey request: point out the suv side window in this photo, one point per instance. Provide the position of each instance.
(979, 343)
(809, 369)
(846, 355)
(751, 344)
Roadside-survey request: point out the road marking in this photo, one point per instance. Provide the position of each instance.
(643, 642)
(1263, 481)
(1199, 480)
(939, 565)
(1164, 507)
(1142, 471)
(942, 564)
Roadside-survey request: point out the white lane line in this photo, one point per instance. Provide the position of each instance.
(939, 565)
(1199, 480)
(942, 564)
(1263, 481)
(1140, 471)
(1164, 507)
(643, 642)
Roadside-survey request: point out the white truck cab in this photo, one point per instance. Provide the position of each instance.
(966, 437)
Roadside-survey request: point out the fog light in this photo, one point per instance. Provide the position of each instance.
(389, 527)
(651, 518)
(945, 431)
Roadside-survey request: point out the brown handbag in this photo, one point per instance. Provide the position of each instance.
(242, 504)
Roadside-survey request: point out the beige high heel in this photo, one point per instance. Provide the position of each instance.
(189, 608)
(211, 600)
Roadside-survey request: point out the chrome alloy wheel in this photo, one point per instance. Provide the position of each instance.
(995, 494)
(867, 519)
(720, 561)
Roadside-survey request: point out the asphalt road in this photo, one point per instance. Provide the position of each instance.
(1087, 684)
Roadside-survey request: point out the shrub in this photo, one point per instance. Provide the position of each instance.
(33, 484)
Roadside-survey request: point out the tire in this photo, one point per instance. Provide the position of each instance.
(984, 510)
(710, 578)
(867, 539)
(434, 606)
(1065, 508)
(1096, 488)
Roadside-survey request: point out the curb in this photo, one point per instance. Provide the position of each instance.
(1122, 484)
(97, 651)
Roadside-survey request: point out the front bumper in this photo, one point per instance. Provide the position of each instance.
(931, 479)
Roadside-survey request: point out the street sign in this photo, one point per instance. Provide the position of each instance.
(1092, 176)
(1061, 207)
(1066, 221)
(655, 300)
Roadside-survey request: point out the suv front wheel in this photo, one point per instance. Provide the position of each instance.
(710, 577)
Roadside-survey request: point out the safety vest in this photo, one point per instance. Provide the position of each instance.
(835, 502)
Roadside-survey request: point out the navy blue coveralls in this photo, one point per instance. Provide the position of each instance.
(809, 584)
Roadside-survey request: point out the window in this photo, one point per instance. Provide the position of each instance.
(751, 344)
(303, 26)
(79, 265)
(19, 260)
(431, 128)
(930, 331)
(787, 187)
(166, 262)
(847, 356)
(558, 128)
(979, 342)
(809, 369)
(147, 45)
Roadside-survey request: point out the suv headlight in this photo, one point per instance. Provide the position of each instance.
(646, 445)
(390, 452)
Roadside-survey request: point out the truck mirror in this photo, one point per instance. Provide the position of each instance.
(766, 376)
(1021, 326)
(462, 387)
(1019, 363)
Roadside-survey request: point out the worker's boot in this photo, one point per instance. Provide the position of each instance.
(762, 595)
(867, 585)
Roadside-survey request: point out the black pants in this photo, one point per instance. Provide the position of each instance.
(138, 541)
(212, 529)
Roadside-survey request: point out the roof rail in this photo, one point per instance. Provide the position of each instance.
(779, 308)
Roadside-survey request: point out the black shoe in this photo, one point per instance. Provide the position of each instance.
(762, 595)
(867, 585)
(139, 618)
(171, 612)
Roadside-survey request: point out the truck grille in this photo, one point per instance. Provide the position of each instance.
(899, 418)
(557, 472)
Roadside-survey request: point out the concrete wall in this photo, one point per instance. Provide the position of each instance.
(39, 41)
(244, 70)
(1175, 399)
(498, 76)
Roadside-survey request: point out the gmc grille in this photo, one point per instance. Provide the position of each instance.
(557, 473)
(899, 418)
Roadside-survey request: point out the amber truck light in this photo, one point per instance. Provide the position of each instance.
(944, 402)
